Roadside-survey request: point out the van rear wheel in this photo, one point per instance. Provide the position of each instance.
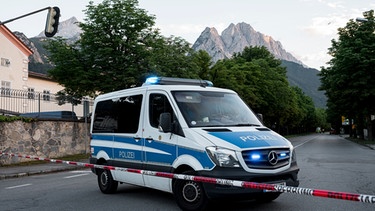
(189, 195)
(105, 181)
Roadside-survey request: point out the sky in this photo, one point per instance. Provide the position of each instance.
(305, 28)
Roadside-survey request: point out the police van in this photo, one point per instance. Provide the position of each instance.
(187, 126)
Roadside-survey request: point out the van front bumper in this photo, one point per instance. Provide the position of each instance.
(288, 177)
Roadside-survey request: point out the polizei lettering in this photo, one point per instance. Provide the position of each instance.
(257, 137)
(126, 155)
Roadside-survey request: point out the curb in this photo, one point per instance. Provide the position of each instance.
(37, 172)
(371, 146)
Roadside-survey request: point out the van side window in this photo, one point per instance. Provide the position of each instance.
(159, 104)
(120, 115)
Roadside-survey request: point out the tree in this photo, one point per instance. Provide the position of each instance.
(305, 118)
(172, 57)
(115, 40)
(70, 69)
(348, 80)
(203, 62)
(261, 81)
(118, 48)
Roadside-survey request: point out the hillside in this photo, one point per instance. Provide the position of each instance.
(307, 79)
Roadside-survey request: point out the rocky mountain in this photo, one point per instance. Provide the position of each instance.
(38, 61)
(237, 36)
(234, 39)
(36, 56)
(68, 29)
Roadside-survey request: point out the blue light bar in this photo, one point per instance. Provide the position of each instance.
(152, 80)
(176, 81)
(255, 157)
(283, 154)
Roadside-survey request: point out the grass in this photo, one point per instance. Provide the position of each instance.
(77, 157)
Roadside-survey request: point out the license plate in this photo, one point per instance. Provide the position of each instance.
(280, 183)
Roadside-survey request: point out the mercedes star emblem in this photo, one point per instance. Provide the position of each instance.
(272, 158)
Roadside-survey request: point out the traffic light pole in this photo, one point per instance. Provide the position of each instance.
(22, 16)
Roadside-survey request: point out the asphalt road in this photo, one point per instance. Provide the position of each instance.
(327, 162)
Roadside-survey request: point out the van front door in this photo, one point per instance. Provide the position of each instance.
(159, 148)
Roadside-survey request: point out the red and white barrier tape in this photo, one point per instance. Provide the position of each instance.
(236, 183)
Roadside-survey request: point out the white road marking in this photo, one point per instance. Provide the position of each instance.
(78, 171)
(305, 142)
(18, 186)
(77, 175)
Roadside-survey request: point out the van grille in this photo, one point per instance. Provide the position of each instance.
(266, 158)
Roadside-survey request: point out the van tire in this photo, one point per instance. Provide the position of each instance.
(105, 181)
(189, 195)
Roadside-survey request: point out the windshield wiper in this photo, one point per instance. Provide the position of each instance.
(223, 125)
(244, 124)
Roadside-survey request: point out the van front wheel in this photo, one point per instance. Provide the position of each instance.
(189, 195)
(106, 182)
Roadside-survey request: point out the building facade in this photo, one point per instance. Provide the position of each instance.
(14, 61)
(22, 91)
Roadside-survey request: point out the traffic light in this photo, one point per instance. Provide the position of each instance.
(52, 21)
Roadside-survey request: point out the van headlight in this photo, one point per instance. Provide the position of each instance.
(223, 157)
(294, 156)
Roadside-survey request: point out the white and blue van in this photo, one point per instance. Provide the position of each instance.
(187, 126)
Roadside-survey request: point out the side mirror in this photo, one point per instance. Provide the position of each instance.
(260, 117)
(165, 123)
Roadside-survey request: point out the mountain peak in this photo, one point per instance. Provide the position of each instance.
(235, 38)
(67, 29)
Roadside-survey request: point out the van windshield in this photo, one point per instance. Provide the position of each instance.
(214, 109)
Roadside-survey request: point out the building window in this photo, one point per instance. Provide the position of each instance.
(5, 88)
(46, 95)
(31, 93)
(5, 62)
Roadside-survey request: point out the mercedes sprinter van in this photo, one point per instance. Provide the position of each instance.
(187, 126)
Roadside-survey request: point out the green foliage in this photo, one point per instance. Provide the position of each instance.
(203, 63)
(15, 118)
(39, 67)
(348, 80)
(62, 97)
(261, 81)
(70, 69)
(116, 39)
(171, 57)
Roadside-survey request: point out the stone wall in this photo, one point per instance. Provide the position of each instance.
(47, 139)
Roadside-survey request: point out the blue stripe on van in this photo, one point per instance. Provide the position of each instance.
(201, 156)
(166, 154)
(251, 139)
(160, 152)
(97, 148)
(102, 137)
(156, 152)
(133, 151)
